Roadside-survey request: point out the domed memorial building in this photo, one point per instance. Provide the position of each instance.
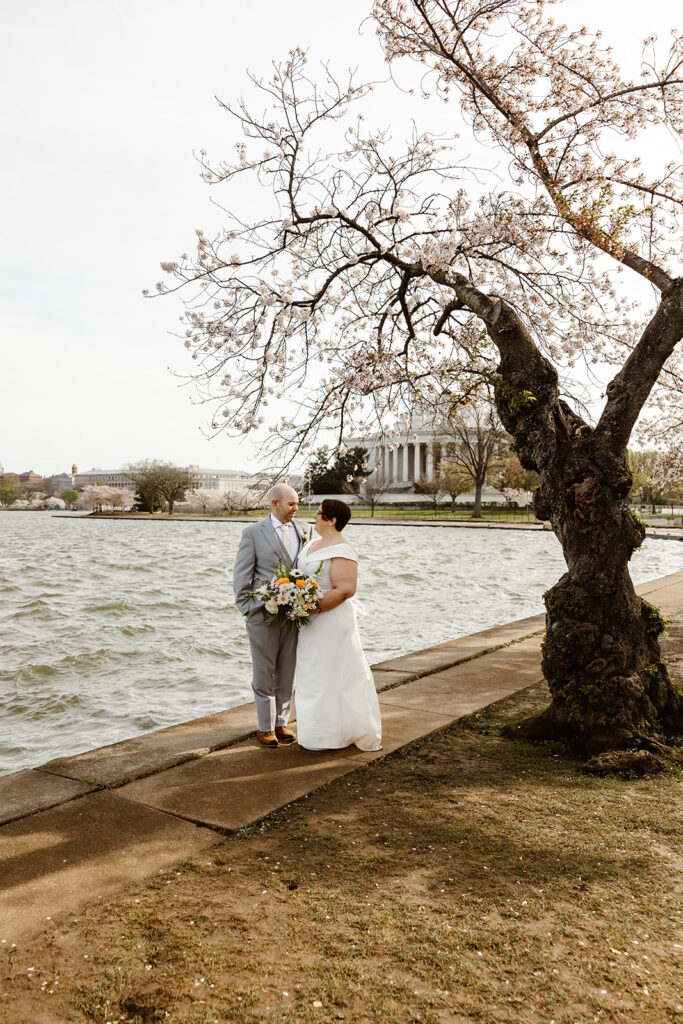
(416, 452)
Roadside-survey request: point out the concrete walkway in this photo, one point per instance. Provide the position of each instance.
(84, 828)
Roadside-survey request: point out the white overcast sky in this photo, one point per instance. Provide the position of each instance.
(101, 106)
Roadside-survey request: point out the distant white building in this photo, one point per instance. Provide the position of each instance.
(222, 481)
(225, 481)
(407, 452)
(108, 477)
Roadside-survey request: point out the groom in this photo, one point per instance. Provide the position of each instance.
(273, 650)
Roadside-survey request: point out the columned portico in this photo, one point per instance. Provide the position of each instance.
(430, 462)
(403, 456)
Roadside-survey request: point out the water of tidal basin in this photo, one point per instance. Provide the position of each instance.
(113, 628)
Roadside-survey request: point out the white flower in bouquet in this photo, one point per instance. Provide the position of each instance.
(288, 597)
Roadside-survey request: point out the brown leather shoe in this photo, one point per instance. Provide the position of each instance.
(284, 734)
(268, 739)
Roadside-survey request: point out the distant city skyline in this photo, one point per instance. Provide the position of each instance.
(103, 106)
(76, 470)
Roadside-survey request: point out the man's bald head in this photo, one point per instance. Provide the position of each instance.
(284, 502)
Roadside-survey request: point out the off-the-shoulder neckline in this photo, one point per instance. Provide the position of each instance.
(330, 547)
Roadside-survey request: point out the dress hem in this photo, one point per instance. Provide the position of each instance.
(364, 750)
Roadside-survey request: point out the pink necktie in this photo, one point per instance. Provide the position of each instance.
(286, 540)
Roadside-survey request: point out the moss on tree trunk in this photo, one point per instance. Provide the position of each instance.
(601, 656)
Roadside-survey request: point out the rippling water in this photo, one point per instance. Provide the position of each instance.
(112, 628)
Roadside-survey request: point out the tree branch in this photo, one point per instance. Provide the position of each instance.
(631, 387)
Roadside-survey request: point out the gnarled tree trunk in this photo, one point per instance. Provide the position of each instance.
(601, 656)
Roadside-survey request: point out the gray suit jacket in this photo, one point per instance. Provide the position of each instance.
(258, 551)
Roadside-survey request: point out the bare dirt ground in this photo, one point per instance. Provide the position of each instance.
(467, 878)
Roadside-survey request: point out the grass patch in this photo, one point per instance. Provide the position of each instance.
(465, 878)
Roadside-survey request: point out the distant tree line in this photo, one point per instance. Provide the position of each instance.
(463, 466)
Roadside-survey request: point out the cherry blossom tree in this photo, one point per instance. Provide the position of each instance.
(35, 498)
(117, 498)
(90, 499)
(204, 500)
(97, 497)
(670, 470)
(658, 474)
(516, 496)
(375, 277)
(247, 499)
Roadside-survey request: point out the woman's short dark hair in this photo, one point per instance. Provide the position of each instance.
(331, 508)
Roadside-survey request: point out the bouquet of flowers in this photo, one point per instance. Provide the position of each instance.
(288, 597)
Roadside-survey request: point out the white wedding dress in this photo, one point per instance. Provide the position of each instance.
(336, 700)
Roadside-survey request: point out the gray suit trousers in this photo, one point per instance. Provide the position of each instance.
(273, 657)
(273, 650)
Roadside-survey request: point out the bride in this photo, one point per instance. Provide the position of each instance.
(336, 701)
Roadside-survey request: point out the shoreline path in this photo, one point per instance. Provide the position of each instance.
(656, 531)
(83, 829)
